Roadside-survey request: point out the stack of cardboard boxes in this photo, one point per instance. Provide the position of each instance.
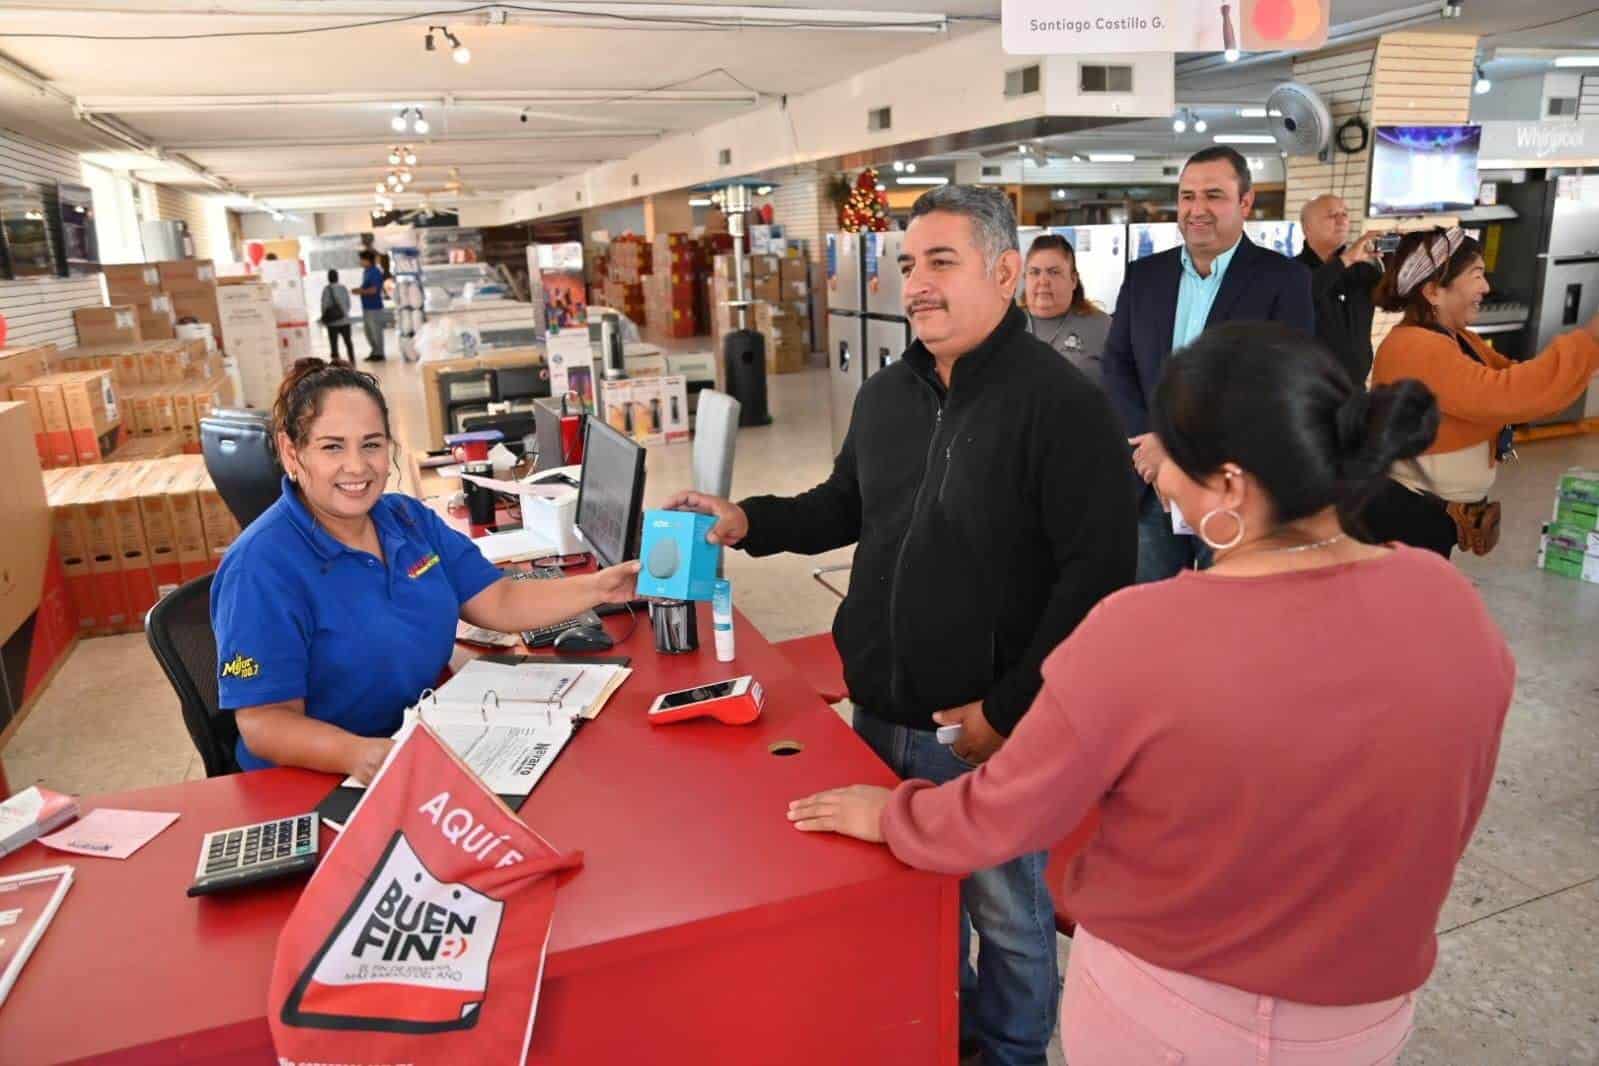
(674, 298)
(129, 532)
(1570, 542)
(630, 259)
(135, 285)
(192, 286)
(780, 287)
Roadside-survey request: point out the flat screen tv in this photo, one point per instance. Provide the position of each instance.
(1423, 170)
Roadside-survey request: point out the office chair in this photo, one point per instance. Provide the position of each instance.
(178, 628)
(715, 436)
(237, 445)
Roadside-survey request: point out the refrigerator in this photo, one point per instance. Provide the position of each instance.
(888, 331)
(1283, 237)
(1548, 260)
(846, 329)
(1151, 238)
(166, 239)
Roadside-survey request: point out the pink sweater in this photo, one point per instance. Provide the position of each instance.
(1288, 768)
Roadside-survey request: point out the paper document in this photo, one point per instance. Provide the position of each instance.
(513, 546)
(110, 834)
(27, 904)
(510, 758)
(578, 691)
(553, 491)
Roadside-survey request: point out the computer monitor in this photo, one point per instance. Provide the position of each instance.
(610, 494)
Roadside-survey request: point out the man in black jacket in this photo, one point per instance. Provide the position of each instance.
(985, 483)
(1342, 276)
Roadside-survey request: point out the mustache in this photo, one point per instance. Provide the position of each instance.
(927, 305)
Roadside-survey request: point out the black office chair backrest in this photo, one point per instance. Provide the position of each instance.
(178, 628)
(237, 445)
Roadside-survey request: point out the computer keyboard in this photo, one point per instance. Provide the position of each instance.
(545, 635)
(249, 854)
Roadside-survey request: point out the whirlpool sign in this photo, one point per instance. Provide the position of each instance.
(1510, 144)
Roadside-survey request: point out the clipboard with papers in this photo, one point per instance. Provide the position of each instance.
(507, 721)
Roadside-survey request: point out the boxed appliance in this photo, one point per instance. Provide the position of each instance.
(132, 283)
(217, 522)
(151, 493)
(118, 324)
(294, 344)
(188, 528)
(182, 272)
(24, 363)
(677, 562)
(674, 425)
(768, 289)
(157, 319)
(142, 449)
(646, 410)
(37, 627)
(90, 398)
(71, 532)
(197, 300)
(287, 284)
(94, 498)
(765, 266)
(794, 270)
(52, 431)
(616, 398)
(133, 549)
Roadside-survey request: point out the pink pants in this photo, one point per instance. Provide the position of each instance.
(1120, 1011)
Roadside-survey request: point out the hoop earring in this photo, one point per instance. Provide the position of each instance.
(1237, 537)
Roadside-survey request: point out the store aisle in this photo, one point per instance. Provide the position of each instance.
(1515, 979)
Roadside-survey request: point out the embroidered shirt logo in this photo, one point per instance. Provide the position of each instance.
(241, 666)
(424, 565)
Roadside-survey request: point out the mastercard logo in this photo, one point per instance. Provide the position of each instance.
(1271, 24)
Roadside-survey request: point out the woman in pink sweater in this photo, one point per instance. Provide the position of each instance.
(1289, 751)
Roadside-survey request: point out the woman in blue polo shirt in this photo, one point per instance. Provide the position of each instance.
(337, 607)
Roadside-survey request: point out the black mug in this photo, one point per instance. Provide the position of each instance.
(479, 498)
(676, 624)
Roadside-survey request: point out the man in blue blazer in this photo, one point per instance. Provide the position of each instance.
(1217, 275)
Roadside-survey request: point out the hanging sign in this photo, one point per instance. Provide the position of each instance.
(1048, 27)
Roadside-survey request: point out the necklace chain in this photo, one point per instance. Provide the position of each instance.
(1308, 547)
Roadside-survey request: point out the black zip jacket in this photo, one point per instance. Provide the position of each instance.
(988, 518)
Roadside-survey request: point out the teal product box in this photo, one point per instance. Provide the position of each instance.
(676, 561)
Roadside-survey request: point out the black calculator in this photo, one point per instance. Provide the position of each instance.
(250, 854)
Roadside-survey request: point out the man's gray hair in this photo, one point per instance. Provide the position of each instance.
(993, 220)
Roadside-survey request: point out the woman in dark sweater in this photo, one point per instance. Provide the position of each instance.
(1289, 751)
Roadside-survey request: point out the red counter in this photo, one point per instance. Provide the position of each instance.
(702, 929)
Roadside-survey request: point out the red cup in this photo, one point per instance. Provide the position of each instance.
(472, 451)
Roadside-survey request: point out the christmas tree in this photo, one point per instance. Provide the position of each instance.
(867, 205)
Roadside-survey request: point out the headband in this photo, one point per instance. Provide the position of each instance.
(1428, 258)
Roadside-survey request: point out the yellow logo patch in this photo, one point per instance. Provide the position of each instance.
(241, 666)
(423, 566)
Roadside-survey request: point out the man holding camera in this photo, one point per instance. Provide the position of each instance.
(1342, 277)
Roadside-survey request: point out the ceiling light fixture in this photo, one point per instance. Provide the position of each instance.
(1111, 157)
(1200, 125)
(410, 157)
(420, 125)
(921, 181)
(405, 177)
(458, 51)
(1577, 62)
(397, 123)
(394, 157)
(380, 188)
(700, 202)
(1483, 85)
(1244, 138)
(899, 168)
(910, 168)
(764, 190)
(1180, 123)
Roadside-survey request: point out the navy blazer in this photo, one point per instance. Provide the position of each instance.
(1260, 286)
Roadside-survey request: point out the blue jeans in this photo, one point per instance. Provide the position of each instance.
(1162, 553)
(1008, 1005)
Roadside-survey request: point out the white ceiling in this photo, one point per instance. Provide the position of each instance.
(303, 120)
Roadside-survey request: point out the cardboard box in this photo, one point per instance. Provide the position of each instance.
(118, 324)
(158, 321)
(616, 398)
(678, 562)
(647, 411)
(793, 268)
(294, 344)
(52, 431)
(674, 408)
(150, 490)
(88, 400)
(768, 289)
(132, 275)
(198, 300)
(180, 272)
(70, 528)
(216, 520)
(24, 363)
(163, 409)
(142, 449)
(38, 624)
(188, 529)
(765, 266)
(95, 498)
(133, 551)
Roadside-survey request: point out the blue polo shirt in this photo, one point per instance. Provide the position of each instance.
(297, 615)
(372, 278)
(1196, 296)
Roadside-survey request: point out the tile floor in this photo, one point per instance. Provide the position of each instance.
(1518, 970)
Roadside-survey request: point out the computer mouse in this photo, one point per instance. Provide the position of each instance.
(663, 559)
(584, 638)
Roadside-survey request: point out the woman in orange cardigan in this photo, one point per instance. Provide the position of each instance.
(1438, 280)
